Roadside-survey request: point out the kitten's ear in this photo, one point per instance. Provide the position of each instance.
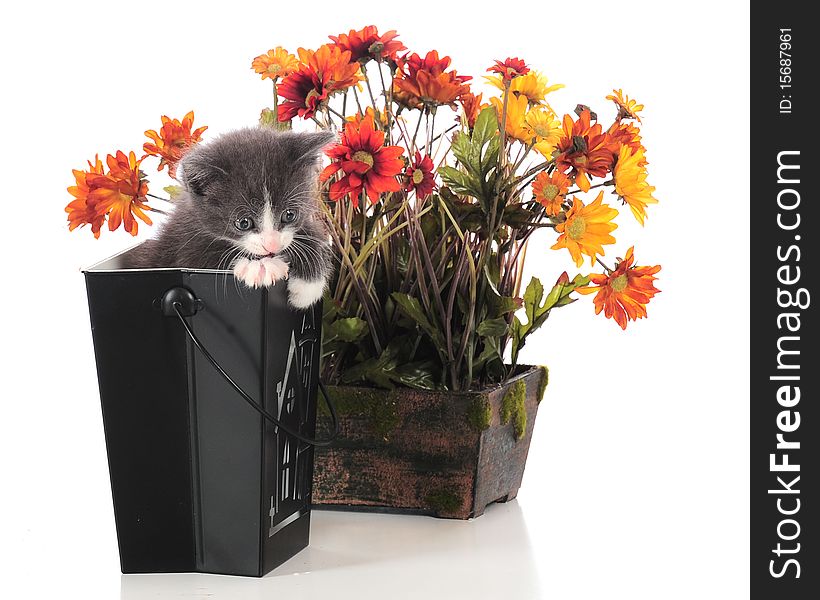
(312, 145)
(198, 169)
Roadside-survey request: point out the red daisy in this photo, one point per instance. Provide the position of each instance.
(510, 69)
(367, 164)
(420, 176)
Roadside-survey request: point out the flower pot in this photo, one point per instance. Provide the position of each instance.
(200, 481)
(444, 454)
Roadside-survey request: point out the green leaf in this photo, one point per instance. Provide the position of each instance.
(461, 147)
(532, 300)
(486, 126)
(490, 352)
(412, 308)
(420, 375)
(501, 305)
(459, 181)
(351, 329)
(538, 311)
(492, 327)
(372, 370)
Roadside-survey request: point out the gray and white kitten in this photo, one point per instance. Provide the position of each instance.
(251, 202)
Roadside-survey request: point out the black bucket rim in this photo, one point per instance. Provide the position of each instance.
(101, 267)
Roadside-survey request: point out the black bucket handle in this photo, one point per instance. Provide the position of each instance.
(183, 303)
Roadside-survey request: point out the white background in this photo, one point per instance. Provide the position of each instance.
(637, 481)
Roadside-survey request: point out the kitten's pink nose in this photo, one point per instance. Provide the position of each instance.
(272, 241)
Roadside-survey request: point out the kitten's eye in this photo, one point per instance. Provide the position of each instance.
(289, 215)
(243, 224)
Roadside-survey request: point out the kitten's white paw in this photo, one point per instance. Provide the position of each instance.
(274, 269)
(260, 273)
(240, 267)
(303, 293)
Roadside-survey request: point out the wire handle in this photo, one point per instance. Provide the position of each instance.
(178, 308)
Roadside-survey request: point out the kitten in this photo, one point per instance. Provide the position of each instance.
(251, 202)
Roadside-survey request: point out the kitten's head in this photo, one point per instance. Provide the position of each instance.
(257, 187)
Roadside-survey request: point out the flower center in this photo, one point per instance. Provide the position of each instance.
(619, 283)
(310, 95)
(550, 191)
(274, 69)
(418, 176)
(365, 157)
(576, 228)
(542, 130)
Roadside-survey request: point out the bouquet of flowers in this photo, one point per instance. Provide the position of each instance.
(431, 198)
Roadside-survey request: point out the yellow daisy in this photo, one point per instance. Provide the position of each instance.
(545, 127)
(534, 86)
(630, 181)
(276, 63)
(627, 108)
(515, 124)
(586, 229)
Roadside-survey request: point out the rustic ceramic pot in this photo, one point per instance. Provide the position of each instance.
(447, 454)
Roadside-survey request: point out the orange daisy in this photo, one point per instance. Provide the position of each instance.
(80, 211)
(586, 229)
(120, 194)
(584, 149)
(173, 140)
(367, 43)
(274, 64)
(320, 74)
(366, 163)
(472, 106)
(626, 134)
(378, 116)
(550, 190)
(624, 293)
(426, 81)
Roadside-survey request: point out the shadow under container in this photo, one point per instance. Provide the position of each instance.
(445, 454)
(200, 481)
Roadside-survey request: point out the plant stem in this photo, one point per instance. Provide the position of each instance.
(592, 187)
(600, 262)
(416, 132)
(358, 104)
(502, 152)
(369, 89)
(426, 150)
(388, 105)
(337, 113)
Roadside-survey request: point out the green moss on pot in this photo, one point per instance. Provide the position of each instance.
(378, 407)
(542, 386)
(513, 408)
(480, 414)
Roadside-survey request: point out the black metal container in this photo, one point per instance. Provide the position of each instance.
(201, 482)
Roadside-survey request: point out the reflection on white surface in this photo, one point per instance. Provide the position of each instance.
(357, 555)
